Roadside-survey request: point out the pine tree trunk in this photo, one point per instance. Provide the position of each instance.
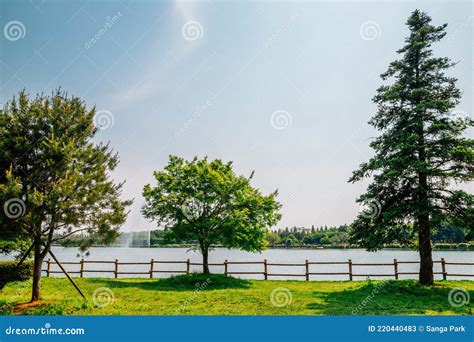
(37, 266)
(205, 261)
(424, 229)
(424, 236)
(424, 243)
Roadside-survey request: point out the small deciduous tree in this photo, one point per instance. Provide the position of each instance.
(54, 180)
(421, 152)
(207, 203)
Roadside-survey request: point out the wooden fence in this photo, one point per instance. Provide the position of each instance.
(307, 266)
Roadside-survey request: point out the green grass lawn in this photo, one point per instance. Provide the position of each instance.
(220, 295)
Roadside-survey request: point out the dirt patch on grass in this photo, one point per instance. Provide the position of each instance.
(20, 308)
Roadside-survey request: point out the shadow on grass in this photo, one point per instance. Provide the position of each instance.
(394, 297)
(188, 282)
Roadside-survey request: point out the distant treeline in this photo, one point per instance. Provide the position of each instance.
(339, 236)
(448, 237)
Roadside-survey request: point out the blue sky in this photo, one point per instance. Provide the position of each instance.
(282, 88)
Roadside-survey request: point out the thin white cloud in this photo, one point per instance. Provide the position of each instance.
(186, 9)
(136, 93)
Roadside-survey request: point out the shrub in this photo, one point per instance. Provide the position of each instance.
(8, 272)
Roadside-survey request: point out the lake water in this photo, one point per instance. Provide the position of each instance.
(297, 256)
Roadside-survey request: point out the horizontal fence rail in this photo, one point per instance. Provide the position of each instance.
(306, 270)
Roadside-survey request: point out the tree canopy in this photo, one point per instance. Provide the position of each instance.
(420, 153)
(54, 180)
(207, 203)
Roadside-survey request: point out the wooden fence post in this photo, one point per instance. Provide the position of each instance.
(350, 269)
(48, 268)
(307, 270)
(151, 268)
(188, 266)
(443, 269)
(265, 269)
(116, 268)
(225, 266)
(395, 268)
(81, 270)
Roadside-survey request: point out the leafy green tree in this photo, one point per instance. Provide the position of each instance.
(449, 234)
(291, 240)
(273, 239)
(420, 153)
(206, 202)
(157, 237)
(54, 180)
(314, 238)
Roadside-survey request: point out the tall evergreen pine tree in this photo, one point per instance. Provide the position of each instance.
(421, 153)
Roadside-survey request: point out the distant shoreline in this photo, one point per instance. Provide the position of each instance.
(443, 247)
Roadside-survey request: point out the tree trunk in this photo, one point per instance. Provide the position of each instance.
(424, 246)
(37, 266)
(205, 261)
(424, 232)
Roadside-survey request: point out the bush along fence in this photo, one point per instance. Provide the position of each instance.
(267, 268)
(10, 272)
